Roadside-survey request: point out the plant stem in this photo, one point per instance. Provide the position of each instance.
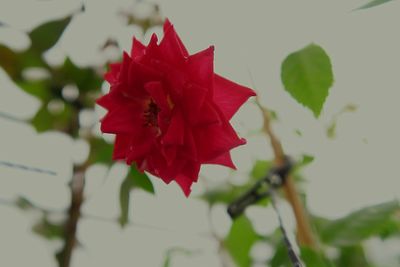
(74, 213)
(304, 233)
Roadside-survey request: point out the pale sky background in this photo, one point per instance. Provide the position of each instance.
(358, 168)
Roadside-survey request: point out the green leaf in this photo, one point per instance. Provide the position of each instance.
(331, 129)
(133, 180)
(374, 3)
(359, 225)
(227, 193)
(312, 258)
(305, 160)
(173, 251)
(48, 229)
(46, 35)
(45, 120)
(352, 256)
(307, 76)
(85, 78)
(101, 151)
(280, 257)
(240, 240)
(260, 169)
(24, 203)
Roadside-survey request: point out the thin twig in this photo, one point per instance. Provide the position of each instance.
(304, 233)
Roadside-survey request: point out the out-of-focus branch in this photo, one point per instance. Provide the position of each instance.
(74, 213)
(304, 233)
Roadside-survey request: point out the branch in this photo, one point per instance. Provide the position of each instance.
(74, 213)
(304, 233)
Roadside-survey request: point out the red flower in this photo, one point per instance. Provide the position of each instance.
(170, 111)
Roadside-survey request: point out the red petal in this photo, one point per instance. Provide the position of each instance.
(138, 49)
(167, 25)
(140, 74)
(139, 150)
(124, 74)
(125, 119)
(113, 74)
(112, 100)
(190, 174)
(201, 67)
(175, 133)
(193, 100)
(208, 115)
(156, 92)
(121, 146)
(229, 96)
(224, 159)
(216, 139)
(171, 48)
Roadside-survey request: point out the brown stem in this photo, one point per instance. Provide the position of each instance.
(74, 213)
(304, 233)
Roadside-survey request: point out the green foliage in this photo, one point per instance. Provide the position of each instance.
(307, 76)
(359, 225)
(280, 258)
(331, 129)
(24, 203)
(374, 3)
(313, 258)
(46, 35)
(240, 240)
(228, 192)
(133, 180)
(173, 251)
(352, 256)
(49, 230)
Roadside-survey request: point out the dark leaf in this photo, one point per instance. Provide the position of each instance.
(48, 229)
(46, 35)
(352, 256)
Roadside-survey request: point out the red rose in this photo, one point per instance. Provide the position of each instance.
(170, 111)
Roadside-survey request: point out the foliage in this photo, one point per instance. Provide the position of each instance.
(374, 3)
(307, 76)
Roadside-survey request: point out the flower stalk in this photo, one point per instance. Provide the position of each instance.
(305, 235)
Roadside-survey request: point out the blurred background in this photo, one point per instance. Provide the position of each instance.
(51, 75)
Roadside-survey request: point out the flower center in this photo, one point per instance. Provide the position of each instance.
(150, 114)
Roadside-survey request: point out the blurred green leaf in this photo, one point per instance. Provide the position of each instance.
(173, 251)
(358, 225)
(36, 88)
(227, 193)
(313, 258)
(45, 120)
(239, 241)
(48, 229)
(133, 180)
(85, 78)
(307, 76)
(46, 35)
(331, 129)
(101, 151)
(304, 161)
(280, 258)
(352, 256)
(374, 3)
(24, 203)
(260, 169)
